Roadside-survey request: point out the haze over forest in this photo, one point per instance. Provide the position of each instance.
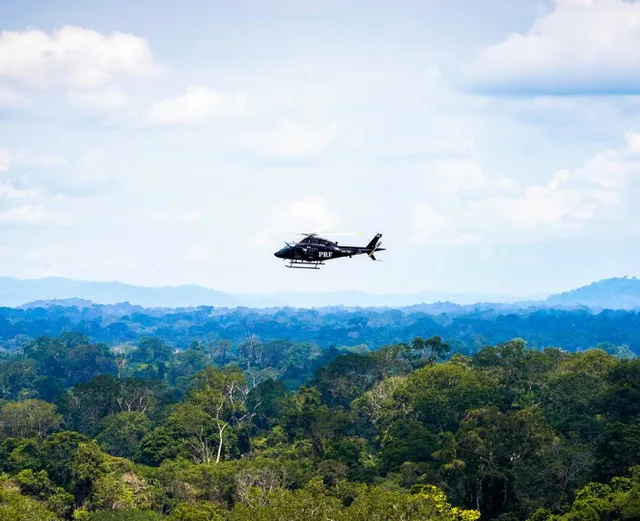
(616, 293)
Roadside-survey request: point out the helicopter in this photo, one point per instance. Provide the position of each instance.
(313, 251)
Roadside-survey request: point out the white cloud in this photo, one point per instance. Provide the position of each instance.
(197, 104)
(7, 158)
(8, 191)
(507, 183)
(606, 170)
(86, 67)
(102, 100)
(633, 142)
(308, 214)
(73, 58)
(25, 197)
(556, 204)
(292, 140)
(566, 203)
(455, 176)
(581, 46)
(24, 214)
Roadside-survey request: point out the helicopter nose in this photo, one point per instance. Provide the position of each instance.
(282, 253)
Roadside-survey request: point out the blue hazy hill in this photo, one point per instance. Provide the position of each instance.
(613, 293)
(16, 292)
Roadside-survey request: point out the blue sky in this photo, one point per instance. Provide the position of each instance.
(495, 144)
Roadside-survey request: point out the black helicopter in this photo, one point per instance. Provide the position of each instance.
(312, 251)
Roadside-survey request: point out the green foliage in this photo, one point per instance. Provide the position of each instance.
(122, 515)
(277, 429)
(39, 486)
(200, 511)
(17, 507)
(359, 503)
(121, 433)
(619, 500)
(28, 418)
(292, 336)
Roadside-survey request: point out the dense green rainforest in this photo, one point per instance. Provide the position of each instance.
(255, 427)
(466, 328)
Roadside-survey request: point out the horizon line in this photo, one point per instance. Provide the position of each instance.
(525, 296)
(512, 298)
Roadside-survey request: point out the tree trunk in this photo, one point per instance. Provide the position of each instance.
(220, 431)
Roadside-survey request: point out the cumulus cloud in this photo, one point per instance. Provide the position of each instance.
(72, 57)
(88, 66)
(580, 47)
(559, 204)
(197, 104)
(633, 142)
(500, 211)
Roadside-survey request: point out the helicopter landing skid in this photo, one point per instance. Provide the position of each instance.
(304, 265)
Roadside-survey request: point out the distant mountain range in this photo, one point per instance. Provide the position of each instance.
(17, 292)
(615, 293)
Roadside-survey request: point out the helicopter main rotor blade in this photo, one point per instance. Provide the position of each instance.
(341, 233)
(323, 234)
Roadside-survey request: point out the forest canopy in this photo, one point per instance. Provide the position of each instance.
(466, 328)
(280, 429)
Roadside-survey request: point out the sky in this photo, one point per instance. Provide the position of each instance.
(494, 144)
